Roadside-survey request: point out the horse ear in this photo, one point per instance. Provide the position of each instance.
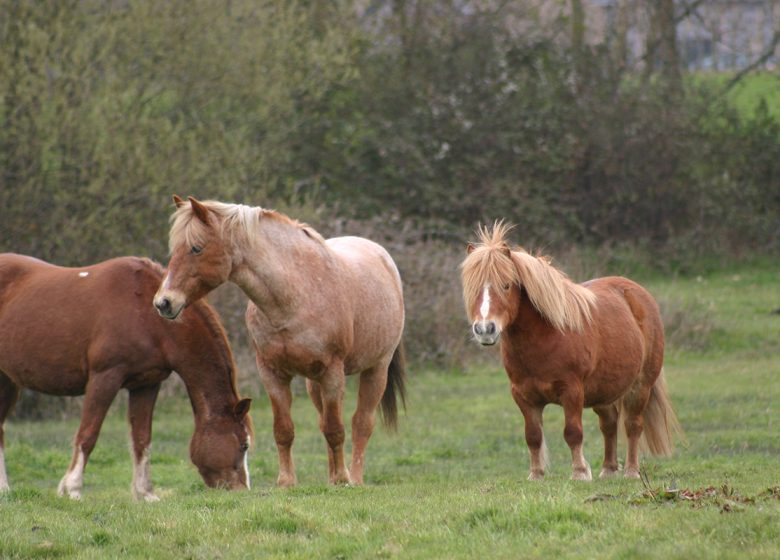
(241, 408)
(470, 248)
(178, 201)
(506, 250)
(200, 211)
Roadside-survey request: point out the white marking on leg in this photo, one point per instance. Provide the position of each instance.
(142, 478)
(83, 274)
(246, 462)
(484, 309)
(3, 477)
(73, 480)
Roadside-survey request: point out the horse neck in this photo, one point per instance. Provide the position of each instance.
(528, 321)
(204, 362)
(271, 271)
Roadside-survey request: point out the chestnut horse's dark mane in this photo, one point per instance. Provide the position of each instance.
(213, 323)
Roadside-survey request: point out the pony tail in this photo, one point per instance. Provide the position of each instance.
(396, 376)
(660, 420)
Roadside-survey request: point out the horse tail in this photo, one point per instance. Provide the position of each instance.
(660, 420)
(396, 376)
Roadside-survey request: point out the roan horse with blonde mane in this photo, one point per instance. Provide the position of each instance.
(91, 330)
(320, 309)
(599, 344)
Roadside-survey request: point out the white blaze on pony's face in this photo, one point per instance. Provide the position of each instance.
(485, 327)
(199, 260)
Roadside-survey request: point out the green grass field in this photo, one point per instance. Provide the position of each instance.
(452, 483)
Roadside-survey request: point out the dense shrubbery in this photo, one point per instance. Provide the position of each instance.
(408, 129)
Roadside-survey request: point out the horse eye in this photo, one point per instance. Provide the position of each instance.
(244, 447)
(507, 286)
(196, 250)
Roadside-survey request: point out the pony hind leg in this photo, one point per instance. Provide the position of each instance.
(140, 408)
(102, 387)
(633, 407)
(9, 393)
(371, 388)
(608, 423)
(278, 388)
(534, 435)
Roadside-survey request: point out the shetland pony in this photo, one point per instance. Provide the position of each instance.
(92, 331)
(320, 309)
(599, 344)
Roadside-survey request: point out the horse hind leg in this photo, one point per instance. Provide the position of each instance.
(140, 408)
(9, 393)
(371, 388)
(633, 406)
(608, 423)
(278, 388)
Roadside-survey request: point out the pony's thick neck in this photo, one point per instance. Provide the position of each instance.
(206, 365)
(564, 304)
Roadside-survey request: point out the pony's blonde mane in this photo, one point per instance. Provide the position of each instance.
(566, 305)
(238, 223)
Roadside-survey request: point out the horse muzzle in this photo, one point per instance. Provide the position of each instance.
(167, 308)
(486, 332)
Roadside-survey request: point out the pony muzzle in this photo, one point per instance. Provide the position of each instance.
(168, 306)
(486, 332)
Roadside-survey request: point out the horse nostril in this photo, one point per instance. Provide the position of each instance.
(164, 304)
(491, 328)
(478, 329)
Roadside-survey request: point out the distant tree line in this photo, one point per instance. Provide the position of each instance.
(440, 114)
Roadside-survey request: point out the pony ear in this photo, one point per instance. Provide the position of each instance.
(241, 408)
(200, 211)
(178, 201)
(470, 248)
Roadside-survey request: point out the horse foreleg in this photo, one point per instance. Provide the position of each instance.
(102, 387)
(573, 401)
(534, 435)
(278, 388)
(315, 394)
(608, 423)
(332, 392)
(8, 395)
(140, 407)
(370, 390)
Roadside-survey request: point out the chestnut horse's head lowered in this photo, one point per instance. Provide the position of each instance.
(495, 278)
(200, 259)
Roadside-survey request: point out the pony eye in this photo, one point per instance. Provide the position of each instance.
(244, 447)
(196, 250)
(506, 287)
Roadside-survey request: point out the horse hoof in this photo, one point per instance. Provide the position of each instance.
(582, 474)
(631, 473)
(286, 481)
(536, 475)
(608, 473)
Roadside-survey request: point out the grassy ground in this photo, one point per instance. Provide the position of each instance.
(452, 482)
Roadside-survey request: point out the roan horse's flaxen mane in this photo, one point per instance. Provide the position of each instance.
(238, 222)
(566, 305)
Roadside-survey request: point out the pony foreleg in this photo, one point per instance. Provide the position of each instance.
(102, 387)
(608, 423)
(572, 410)
(278, 388)
(8, 395)
(534, 435)
(332, 392)
(370, 390)
(140, 408)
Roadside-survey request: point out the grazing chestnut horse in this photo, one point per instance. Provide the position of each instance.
(92, 331)
(599, 344)
(320, 309)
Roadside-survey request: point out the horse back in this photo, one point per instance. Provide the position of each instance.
(58, 323)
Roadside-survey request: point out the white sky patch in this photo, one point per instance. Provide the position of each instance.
(83, 274)
(484, 309)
